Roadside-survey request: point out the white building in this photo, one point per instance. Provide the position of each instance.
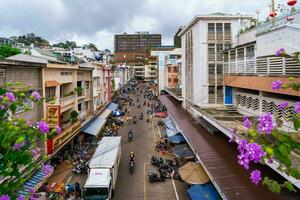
(203, 40)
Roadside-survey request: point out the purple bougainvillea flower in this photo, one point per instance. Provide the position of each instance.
(1, 97)
(2, 107)
(265, 123)
(283, 105)
(35, 153)
(21, 198)
(276, 85)
(47, 169)
(11, 97)
(297, 107)
(247, 122)
(29, 123)
(18, 146)
(280, 52)
(43, 127)
(4, 197)
(58, 129)
(255, 177)
(233, 135)
(36, 96)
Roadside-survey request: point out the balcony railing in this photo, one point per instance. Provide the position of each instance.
(67, 100)
(263, 66)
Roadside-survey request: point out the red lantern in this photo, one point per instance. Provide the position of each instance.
(273, 14)
(290, 18)
(291, 2)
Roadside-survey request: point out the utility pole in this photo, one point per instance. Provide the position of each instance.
(273, 11)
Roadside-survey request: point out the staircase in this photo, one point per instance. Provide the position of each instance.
(231, 109)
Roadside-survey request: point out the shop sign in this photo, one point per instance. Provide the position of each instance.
(65, 135)
(53, 116)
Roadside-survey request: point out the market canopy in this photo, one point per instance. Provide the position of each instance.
(94, 127)
(177, 139)
(113, 106)
(205, 192)
(184, 152)
(34, 182)
(170, 132)
(193, 173)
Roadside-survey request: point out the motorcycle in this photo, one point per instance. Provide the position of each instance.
(141, 117)
(131, 166)
(153, 177)
(81, 167)
(130, 136)
(134, 120)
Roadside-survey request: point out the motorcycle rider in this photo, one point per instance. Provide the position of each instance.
(131, 156)
(130, 134)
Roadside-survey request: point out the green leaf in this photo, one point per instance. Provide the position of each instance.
(13, 107)
(291, 78)
(272, 185)
(20, 139)
(296, 124)
(288, 185)
(295, 173)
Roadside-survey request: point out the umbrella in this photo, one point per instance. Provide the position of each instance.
(184, 153)
(205, 192)
(177, 139)
(193, 173)
(161, 114)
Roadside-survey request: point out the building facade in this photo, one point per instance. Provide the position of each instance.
(203, 41)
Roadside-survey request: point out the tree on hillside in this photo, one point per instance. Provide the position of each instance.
(31, 38)
(92, 46)
(6, 51)
(66, 45)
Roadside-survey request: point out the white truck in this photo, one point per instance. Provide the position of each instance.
(103, 170)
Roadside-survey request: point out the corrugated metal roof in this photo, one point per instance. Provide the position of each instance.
(220, 158)
(27, 58)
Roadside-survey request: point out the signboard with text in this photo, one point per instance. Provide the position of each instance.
(53, 116)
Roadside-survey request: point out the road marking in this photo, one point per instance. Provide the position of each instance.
(154, 138)
(158, 130)
(177, 198)
(145, 183)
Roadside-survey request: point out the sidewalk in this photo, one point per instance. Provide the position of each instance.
(219, 157)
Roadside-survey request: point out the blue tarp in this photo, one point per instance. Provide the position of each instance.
(32, 182)
(113, 106)
(95, 126)
(183, 151)
(169, 123)
(177, 139)
(170, 132)
(203, 192)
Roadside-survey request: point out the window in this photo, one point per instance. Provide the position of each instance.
(87, 84)
(211, 27)
(66, 73)
(211, 48)
(169, 69)
(219, 69)
(250, 52)
(169, 80)
(172, 57)
(211, 90)
(79, 107)
(50, 93)
(219, 48)
(175, 80)
(227, 46)
(86, 105)
(211, 69)
(219, 27)
(2, 73)
(227, 27)
(175, 69)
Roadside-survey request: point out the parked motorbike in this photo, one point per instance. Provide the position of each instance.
(131, 166)
(81, 167)
(153, 177)
(134, 120)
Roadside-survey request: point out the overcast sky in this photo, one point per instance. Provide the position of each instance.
(98, 20)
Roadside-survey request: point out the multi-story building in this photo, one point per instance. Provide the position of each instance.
(250, 68)
(139, 71)
(26, 70)
(8, 41)
(161, 53)
(172, 75)
(132, 47)
(84, 90)
(151, 70)
(203, 41)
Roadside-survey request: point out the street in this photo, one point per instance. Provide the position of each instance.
(136, 185)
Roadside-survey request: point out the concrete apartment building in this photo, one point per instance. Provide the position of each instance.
(203, 41)
(133, 50)
(249, 68)
(26, 70)
(172, 73)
